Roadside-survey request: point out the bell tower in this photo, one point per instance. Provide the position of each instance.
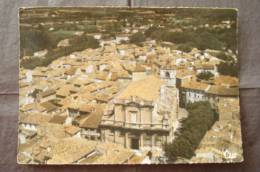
(168, 74)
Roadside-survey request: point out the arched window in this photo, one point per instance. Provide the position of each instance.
(167, 74)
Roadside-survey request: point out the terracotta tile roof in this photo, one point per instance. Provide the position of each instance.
(111, 90)
(147, 89)
(63, 103)
(139, 68)
(48, 106)
(70, 150)
(82, 82)
(123, 74)
(71, 130)
(36, 119)
(184, 73)
(136, 159)
(110, 153)
(23, 158)
(27, 107)
(47, 93)
(86, 108)
(85, 96)
(52, 132)
(204, 66)
(38, 73)
(103, 97)
(64, 90)
(58, 119)
(90, 88)
(101, 75)
(93, 120)
(194, 85)
(104, 84)
(73, 105)
(113, 76)
(222, 91)
(70, 71)
(226, 80)
(23, 84)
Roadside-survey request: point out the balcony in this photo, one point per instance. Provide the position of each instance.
(139, 126)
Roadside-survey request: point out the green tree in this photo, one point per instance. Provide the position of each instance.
(226, 68)
(224, 56)
(77, 43)
(187, 47)
(150, 30)
(205, 75)
(193, 128)
(137, 38)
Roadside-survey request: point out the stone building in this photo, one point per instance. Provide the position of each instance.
(143, 115)
(168, 74)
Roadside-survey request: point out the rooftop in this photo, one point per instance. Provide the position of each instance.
(70, 150)
(147, 89)
(194, 85)
(93, 120)
(35, 119)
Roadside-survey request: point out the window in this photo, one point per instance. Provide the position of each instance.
(158, 141)
(133, 116)
(167, 74)
(111, 132)
(121, 134)
(147, 141)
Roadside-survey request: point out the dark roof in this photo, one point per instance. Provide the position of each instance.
(58, 119)
(93, 120)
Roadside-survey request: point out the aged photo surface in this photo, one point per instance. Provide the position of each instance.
(128, 86)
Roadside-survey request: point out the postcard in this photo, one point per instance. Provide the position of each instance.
(128, 86)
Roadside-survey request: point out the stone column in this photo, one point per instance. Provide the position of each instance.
(125, 117)
(141, 140)
(103, 135)
(116, 134)
(126, 140)
(153, 140)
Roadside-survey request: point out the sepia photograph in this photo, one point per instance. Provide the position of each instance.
(103, 85)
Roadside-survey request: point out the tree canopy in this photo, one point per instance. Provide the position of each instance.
(205, 75)
(137, 38)
(226, 68)
(78, 43)
(193, 128)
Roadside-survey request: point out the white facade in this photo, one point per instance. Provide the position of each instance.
(22, 138)
(29, 127)
(90, 69)
(192, 96)
(178, 61)
(169, 76)
(214, 71)
(122, 52)
(40, 53)
(28, 76)
(102, 67)
(121, 38)
(77, 135)
(97, 36)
